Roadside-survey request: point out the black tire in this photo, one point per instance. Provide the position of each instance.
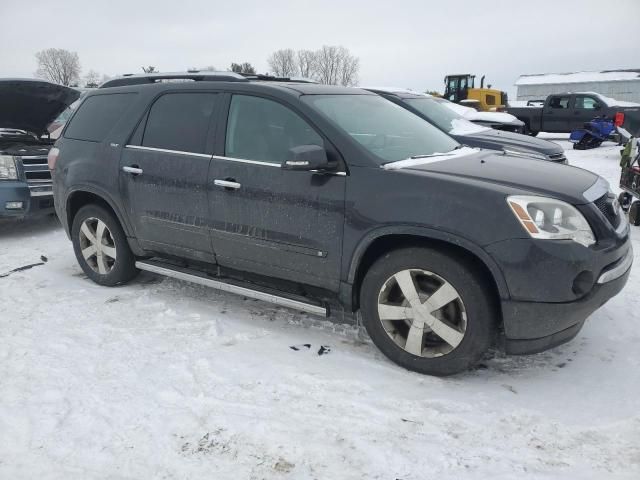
(634, 213)
(120, 270)
(466, 279)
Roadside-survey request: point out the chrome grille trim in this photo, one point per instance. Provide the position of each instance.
(618, 269)
(37, 166)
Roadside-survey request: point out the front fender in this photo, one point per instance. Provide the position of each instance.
(427, 234)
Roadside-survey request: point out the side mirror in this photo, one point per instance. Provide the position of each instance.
(306, 157)
(597, 106)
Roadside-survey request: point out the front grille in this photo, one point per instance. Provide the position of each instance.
(609, 209)
(36, 172)
(33, 160)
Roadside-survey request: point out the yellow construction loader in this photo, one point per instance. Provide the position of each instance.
(461, 89)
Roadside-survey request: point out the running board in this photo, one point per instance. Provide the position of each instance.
(194, 276)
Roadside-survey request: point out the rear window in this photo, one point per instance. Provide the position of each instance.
(179, 121)
(97, 116)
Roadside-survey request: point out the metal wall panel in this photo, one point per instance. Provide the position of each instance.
(628, 91)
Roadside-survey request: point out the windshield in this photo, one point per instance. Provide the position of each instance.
(385, 129)
(444, 117)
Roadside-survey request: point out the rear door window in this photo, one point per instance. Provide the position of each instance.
(586, 103)
(97, 116)
(261, 129)
(180, 122)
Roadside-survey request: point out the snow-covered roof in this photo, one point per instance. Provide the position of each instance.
(579, 77)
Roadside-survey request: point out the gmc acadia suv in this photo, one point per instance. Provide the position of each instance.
(319, 197)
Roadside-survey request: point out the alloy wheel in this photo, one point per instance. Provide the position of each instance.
(97, 245)
(422, 313)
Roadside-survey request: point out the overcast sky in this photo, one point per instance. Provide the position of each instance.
(410, 44)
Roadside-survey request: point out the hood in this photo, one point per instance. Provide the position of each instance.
(499, 139)
(32, 105)
(534, 176)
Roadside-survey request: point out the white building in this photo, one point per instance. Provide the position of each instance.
(618, 84)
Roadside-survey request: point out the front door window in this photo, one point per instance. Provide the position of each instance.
(264, 130)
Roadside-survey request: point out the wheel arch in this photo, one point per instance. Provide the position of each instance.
(384, 240)
(80, 197)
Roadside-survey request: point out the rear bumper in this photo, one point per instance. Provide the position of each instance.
(16, 191)
(557, 323)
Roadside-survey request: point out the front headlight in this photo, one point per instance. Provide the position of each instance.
(8, 169)
(525, 154)
(551, 219)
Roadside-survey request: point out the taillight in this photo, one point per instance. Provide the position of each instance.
(618, 119)
(52, 157)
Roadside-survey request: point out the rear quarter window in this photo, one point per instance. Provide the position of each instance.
(97, 116)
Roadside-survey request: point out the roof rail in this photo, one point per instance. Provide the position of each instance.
(151, 78)
(271, 78)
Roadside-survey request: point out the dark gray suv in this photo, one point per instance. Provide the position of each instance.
(318, 198)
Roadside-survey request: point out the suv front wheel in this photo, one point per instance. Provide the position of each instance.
(101, 246)
(427, 311)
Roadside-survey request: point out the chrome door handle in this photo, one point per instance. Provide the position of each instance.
(132, 170)
(227, 184)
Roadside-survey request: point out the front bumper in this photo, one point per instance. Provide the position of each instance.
(555, 323)
(555, 287)
(17, 191)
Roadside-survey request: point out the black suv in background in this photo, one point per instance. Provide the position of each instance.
(317, 197)
(469, 133)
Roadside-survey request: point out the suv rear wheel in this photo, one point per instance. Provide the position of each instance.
(427, 311)
(101, 246)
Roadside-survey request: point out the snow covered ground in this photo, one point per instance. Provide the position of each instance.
(163, 379)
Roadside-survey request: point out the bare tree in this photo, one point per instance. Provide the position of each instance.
(283, 63)
(58, 66)
(349, 69)
(91, 79)
(336, 66)
(306, 62)
(149, 69)
(245, 67)
(248, 68)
